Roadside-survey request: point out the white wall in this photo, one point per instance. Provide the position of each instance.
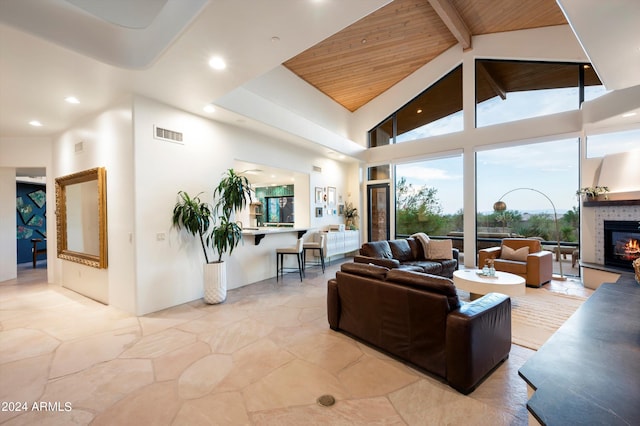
(107, 141)
(8, 255)
(15, 153)
(169, 270)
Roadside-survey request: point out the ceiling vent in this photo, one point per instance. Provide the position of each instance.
(317, 169)
(167, 135)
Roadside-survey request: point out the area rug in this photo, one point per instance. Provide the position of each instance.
(538, 314)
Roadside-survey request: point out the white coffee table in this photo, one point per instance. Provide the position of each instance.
(477, 285)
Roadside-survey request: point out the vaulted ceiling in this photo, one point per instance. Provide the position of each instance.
(368, 57)
(351, 50)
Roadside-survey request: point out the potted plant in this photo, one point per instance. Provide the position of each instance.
(351, 215)
(592, 192)
(232, 194)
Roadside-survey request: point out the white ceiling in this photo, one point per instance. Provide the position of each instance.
(82, 52)
(37, 73)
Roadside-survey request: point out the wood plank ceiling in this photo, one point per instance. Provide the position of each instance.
(363, 60)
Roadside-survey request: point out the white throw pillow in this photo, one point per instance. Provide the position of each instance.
(440, 249)
(507, 253)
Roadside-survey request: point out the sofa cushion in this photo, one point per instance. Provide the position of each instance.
(433, 283)
(416, 248)
(379, 249)
(427, 266)
(424, 240)
(520, 255)
(365, 270)
(401, 250)
(440, 249)
(511, 266)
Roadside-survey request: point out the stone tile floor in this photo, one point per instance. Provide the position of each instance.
(261, 358)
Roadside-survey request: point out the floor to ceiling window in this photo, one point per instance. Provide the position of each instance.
(531, 180)
(429, 197)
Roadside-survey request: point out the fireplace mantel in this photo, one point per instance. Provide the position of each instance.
(609, 203)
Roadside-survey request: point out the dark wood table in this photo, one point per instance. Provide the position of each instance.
(588, 372)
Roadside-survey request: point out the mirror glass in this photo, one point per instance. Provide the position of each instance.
(82, 218)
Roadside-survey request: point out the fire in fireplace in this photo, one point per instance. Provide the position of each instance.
(621, 243)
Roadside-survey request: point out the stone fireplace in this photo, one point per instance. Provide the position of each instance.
(621, 243)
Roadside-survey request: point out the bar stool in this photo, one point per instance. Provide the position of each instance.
(36, 251)
(314, 245)
(295, 250)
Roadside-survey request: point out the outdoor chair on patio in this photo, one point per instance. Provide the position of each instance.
(520, 256)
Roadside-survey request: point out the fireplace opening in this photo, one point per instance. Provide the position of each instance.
(621, 243)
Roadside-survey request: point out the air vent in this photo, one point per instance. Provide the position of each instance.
(79, 147)
(167, 135)
(317, 169)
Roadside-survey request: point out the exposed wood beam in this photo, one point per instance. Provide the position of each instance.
(451, 18)
(497, 87)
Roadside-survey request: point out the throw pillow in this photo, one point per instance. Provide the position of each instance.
(507, 253)
(424, 242)
(440, 249)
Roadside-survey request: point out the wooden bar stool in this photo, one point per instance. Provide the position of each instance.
(295, 250)
(36, 251)
(314, 245)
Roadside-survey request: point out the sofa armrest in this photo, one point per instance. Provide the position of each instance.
(539, 268)
(456, 255)
(387, 263)
(488, 253)
(478, 339)
(333, 304)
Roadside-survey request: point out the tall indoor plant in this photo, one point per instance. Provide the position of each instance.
(232, 194)
(215, 226)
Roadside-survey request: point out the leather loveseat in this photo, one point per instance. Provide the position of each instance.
(408, 254)
(418, 318)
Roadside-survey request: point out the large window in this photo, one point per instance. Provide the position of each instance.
(436, 111)
(514, 90)
(429, 197)
(550, 169)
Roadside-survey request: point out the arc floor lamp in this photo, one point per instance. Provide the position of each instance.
(501, 206)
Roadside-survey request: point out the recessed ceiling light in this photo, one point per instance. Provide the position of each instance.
(217, 63)
(629, 114)
(419, 111)
(35, 123)
(72, 100)
(275, 39)
(209, 108)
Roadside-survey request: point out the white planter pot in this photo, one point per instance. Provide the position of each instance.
(215, 282)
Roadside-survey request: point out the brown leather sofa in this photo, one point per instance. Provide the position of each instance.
(408, 254)
(418, 318)
(536, 269)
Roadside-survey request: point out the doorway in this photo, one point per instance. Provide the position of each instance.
(378, 196)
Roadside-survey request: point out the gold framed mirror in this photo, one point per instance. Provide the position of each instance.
(81, 217)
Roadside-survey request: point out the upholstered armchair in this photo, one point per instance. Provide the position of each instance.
(520, 256)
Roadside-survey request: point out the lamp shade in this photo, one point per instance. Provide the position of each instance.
(499, 206)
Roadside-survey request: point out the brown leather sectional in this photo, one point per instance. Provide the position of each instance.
(418, 318)
(407, 254)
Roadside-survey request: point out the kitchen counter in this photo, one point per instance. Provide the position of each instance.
(260, 232)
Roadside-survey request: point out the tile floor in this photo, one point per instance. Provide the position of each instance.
(261, 358)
